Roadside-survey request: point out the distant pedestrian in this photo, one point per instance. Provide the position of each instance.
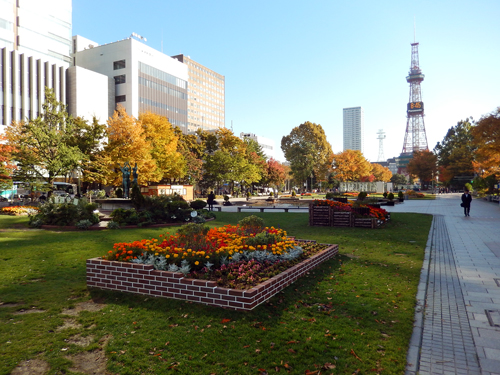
(210, 201)
(466, 199)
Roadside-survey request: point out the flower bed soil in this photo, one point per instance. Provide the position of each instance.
(144, 279)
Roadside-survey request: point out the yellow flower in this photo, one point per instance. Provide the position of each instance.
(196, 263)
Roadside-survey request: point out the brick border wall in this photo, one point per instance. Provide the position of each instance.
(144, 279)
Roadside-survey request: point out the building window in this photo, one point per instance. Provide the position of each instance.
(120, 98)
(119, 79)
(119, 64)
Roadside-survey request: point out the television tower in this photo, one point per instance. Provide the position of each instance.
(381, 137)
(415, 137)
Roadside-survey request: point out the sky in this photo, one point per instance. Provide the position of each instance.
(288, 62)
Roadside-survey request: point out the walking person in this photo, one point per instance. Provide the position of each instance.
(210, 201)
(466, 199)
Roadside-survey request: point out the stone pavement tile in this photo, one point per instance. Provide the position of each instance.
(487, 343)
(492, 354)
(489, 365)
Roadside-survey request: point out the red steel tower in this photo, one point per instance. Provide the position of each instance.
(415, 137)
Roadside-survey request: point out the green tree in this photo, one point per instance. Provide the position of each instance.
(43, 146)
(398, 179)
(455, 154)
(308, 152)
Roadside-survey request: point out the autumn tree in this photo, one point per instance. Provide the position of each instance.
(275, 174)
(423, 165)
(162, 140)
(43, 146)
(126, 143)
(307, 151)
(486, 138)
(456, 152)
(6, 165)
(381, 173)
(350, 165)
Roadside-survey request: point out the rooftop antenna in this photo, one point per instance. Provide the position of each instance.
(414, 30)
(381, 137)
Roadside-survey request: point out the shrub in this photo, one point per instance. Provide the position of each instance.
(64, 214)
(198, 204)
(252, 224)
(84, 224)
(400, 195)
(119, 193)
(136, 197)
(271, 194)
(362, 195)
(113, 225)
(385, 194)
(390, 196)
(294, 193)
(226, 198)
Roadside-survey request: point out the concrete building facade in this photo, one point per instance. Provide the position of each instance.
(266, 143)
(144, 78)
(206, 100)
(35, 46)
(353, 128)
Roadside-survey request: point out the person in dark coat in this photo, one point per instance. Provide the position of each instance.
(466, 199)
(210, 201)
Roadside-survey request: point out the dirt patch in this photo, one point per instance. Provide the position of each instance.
(80, 340)
(31, 367)
(9, 304)
(83, 306)
(30, 311)
(93, 362)
(68, 324)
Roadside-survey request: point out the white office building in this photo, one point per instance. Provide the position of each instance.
(266, 143)
(35, 46)
(353, 128)
(144, 79)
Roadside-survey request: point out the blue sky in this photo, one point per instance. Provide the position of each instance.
(287, 62)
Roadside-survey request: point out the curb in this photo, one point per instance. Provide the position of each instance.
(413, 356)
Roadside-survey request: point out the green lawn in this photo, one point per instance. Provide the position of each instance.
(352, 313)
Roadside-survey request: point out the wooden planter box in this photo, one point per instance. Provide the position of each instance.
(342, 219)
(365, 222)
(145, 280)
(320, 216)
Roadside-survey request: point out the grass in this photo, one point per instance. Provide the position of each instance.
(354, 313)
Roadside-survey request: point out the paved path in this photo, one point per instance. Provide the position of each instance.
(460, 331)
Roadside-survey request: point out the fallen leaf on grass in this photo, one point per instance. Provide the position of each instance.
(292, 351)
(225, 321)
(355, 355)
(329, 366)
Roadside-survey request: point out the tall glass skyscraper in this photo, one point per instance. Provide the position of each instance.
(353, 128)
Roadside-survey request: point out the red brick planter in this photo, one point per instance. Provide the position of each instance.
(144, 279)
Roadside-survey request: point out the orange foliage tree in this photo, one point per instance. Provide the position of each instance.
(381, 173)
(351, 165)
(423, 165)
(486, 137)
(6, 165)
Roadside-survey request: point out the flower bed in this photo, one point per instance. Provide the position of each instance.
(333, 213)
(144, 279)
(233, 266)
(19, 210)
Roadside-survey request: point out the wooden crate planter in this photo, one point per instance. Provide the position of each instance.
(320, 216)
(145, 280)
(342, 219)
(359, 222)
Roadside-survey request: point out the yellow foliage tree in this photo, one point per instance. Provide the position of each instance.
(381, 173)
(350, 165)
(126, 142)
(163, 145)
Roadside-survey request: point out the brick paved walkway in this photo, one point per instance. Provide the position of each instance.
(460, 331)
